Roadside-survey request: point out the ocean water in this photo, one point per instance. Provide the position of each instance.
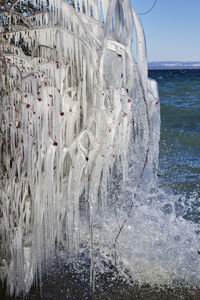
(179, 167)
(166, 226)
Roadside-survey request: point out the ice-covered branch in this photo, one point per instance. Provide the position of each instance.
(74, 105)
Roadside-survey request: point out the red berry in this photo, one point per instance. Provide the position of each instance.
(27, 105)
(62, 113)
(55, 143)
(25, 95)
(86, 158)
(50, 95)
(39, 99)
(129, 100)
(127, 90)
(119, 55)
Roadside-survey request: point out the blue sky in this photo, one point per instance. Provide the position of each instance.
(172, 29)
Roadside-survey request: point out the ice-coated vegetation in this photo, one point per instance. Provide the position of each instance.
(79, 119)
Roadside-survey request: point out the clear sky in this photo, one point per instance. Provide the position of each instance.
(172, 29)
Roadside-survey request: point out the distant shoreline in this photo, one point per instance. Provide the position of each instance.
(173, 68)
(174, 65)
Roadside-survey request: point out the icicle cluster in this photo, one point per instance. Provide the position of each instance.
(72, 99)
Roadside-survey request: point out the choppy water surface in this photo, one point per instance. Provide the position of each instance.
(180, 132)
(180, 128)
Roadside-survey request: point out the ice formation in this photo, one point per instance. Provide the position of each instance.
(77, 109)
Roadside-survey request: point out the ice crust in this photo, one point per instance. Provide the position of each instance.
(71, 113)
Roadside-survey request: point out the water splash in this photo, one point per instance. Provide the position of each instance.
(79, 141)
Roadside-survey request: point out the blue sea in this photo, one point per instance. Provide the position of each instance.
(179, 168)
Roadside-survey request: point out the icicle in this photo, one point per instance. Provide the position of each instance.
(72, 97)
(141, 50)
